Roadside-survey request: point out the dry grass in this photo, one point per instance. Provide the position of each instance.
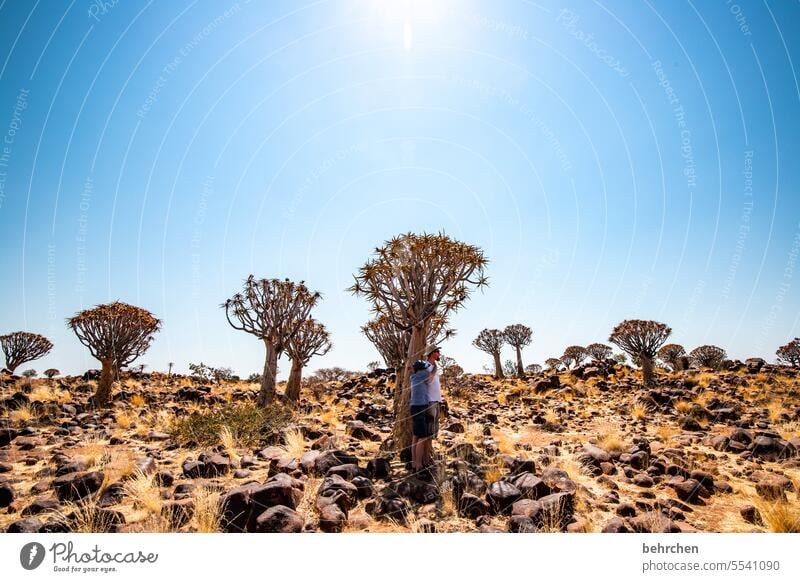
(666, 433)
(23, 414)
(138, 401)
(683, 406)
(775, 410)
(47, 393)
(86, 517)
(94, 451)
(124, 419)
(551, 417)
(294, 443)
(779, 516)
(505, 443)
(640, 411)
(612, 441)
(144, 493)
(207, 510)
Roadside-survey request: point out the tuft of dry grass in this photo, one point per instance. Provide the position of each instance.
(505, 443)
(294, 443)
(640, 411)
(138, 401)
(95, 452)
(144, 492)
(86, 517)
(683, 406)
(775, 410)
(779, 516)
(207, 510)
(23, 414)
(124, 419)
(228, 441)
(612, 441)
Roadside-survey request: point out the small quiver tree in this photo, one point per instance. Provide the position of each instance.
(533, 369)
(574, 355)
(412, 279)
(311, 339)
(272, 310)
(598, 352)
(491, 341)
(707, 356)
(518, 336)
(789, 354)
(20, 347)
(641, 340)
(553, 364)
(116, 334)
(671, 355)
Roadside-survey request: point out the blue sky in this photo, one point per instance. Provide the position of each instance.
(613, 160)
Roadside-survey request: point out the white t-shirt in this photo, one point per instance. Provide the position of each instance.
(435, 387)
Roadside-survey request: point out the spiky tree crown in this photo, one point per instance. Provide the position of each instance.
(553, 363)
(639, 337)
(670, 353)
(518, 335)
(115, 332)
(790, 353)
(311, 339)
(414, 277)
(392, 341)
(574, 354)
(270, 309)
(598, 351)
(710, 356)
(22, 346)
(533, 368)
(490, 341)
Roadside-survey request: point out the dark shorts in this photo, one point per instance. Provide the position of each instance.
(433, 419)
(419, 421)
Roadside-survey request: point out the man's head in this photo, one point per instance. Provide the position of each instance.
(432, 353)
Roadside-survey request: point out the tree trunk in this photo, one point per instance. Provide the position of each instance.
(267, 393)
(520, 369)
(647, 371)
(103, 394)
(498, 367)
(402, 393)
(293, 384)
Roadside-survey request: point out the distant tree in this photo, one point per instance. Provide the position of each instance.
(598, 352)
(201, 372)
(272, 310)
(411, 280)
(789, 354)
(51, 373)
(222, 374)
(707, 356)
(116, 334)
(574, 355)
(533, 368)
(335, 374)
(312, 339)
(20, 347)
(374, 365)
(671, 355)
(641, 339)
(31, 373)
(518, 336)
(254, 378)
(491, 341)
(450, 369)
(620, 358)
(509, 368)
(169, 373)
(553, 363)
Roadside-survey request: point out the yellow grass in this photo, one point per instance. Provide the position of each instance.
(207, 510)
(22, 414)
(86, 517)
(144, 492)
(229, 443)
(505, 443)
(683, 406)
(551, 416)
(138, 401)
(640, 411)
(124, 419)
(294, 443)
(612, 442)
(775, 409)
(94, 451)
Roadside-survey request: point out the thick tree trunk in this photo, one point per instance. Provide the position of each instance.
(520, 368)
(267, 393)
(103, 394)
(498, 367)
(402, 393)
(293, 384)
(647, 371)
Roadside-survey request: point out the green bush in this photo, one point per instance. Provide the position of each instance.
(250, 424)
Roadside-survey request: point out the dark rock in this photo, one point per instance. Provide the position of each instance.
(472, 507)
(75, 486)
(41, 505)
(751, 514)
(332, 519)
(279, 519)
(687, 490)
(7, 494)
(27, 525)
(278, 490)
(379, 468)
(625, 510)
(336, 491)
(653, 522)
(615, 525)
(329, 459)
(501, 495)
(531, 486)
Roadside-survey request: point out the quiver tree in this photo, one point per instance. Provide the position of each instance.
(518, 336)
(272, 310)
(598, 352)
(51, 373)
(411, 280)
(574, 355)
(533, 368)
(671, 355)
(790, 353)
(491, 341)
(22, 346)
(311, 339)
(392, 341)
(707, 356)
(553, 363)
(116, 334)
(641, 340)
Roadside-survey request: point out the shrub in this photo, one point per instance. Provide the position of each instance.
(249, 425)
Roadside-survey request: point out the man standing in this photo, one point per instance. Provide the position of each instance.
(432, 355)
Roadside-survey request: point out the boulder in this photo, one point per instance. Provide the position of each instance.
(279, 519)
(75, 486)
(501, 495)
(332, 519)
(7, 494)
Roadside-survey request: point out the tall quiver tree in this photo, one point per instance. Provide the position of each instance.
(116, 334)
(641, 339)
(411, 280)
(491, 341)
(272, 310)
(519, 336)
(22, 346)
(311, 339)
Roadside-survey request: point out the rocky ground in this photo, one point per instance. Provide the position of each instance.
(588, 450)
